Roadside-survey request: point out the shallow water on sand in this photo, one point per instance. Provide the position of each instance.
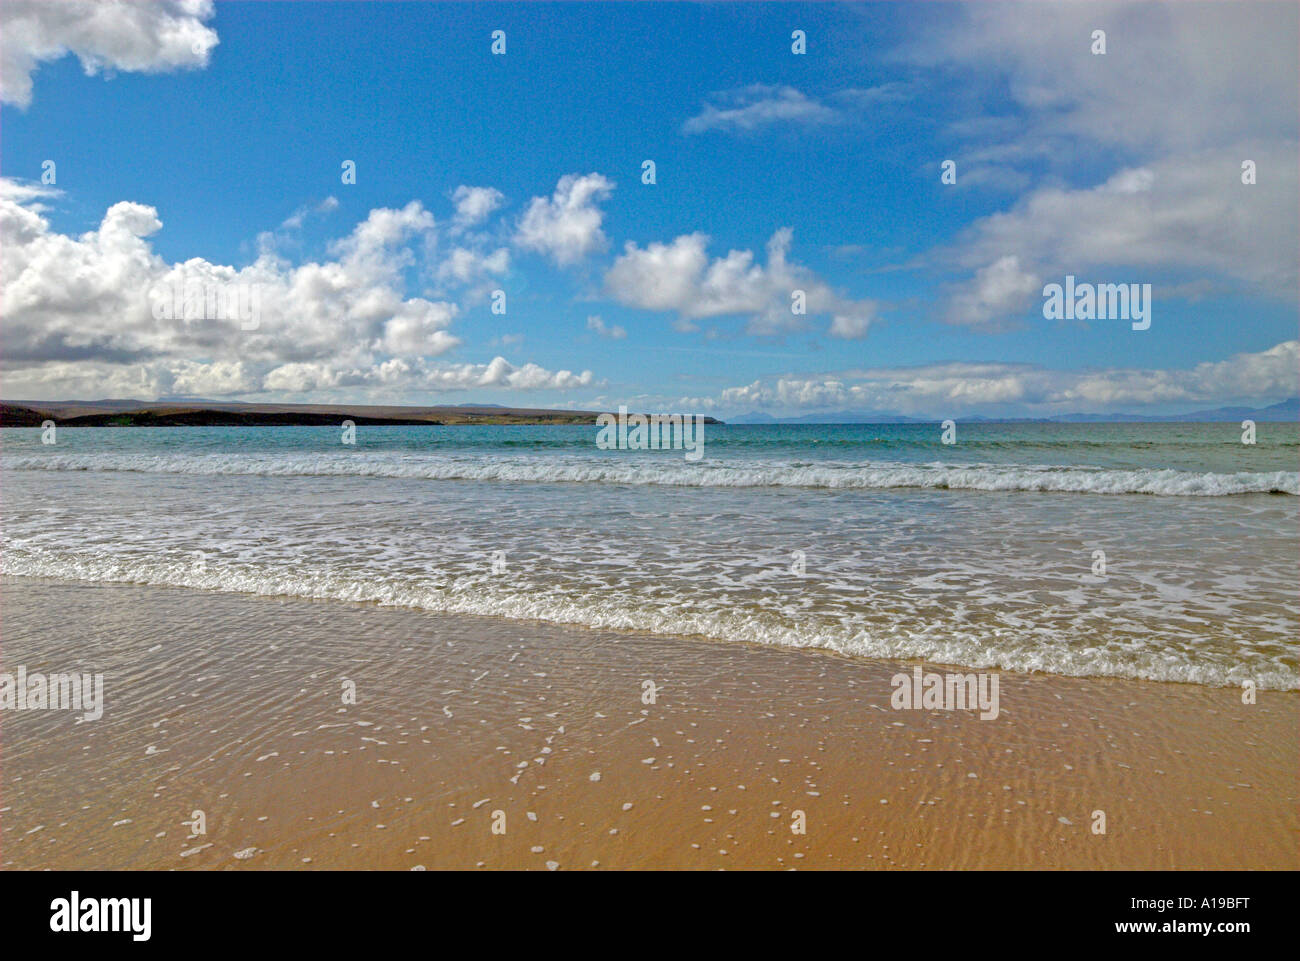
(1140, 551)
(233, 706)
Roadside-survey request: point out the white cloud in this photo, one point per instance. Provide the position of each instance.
(417, 328)
(1272, 373)
(475, 204)
(679, 276)
(418, 375)
(997, 291)
(211, 380)
(1183, 94)
(473, 263)
(758, 105)
(765, 105)
(501, 373)
(151, 36)
(1187, 218)
(566, 227)
(959, 388)
(863, 98)
(850, 326)
(28, 193)
(465, 266)
(614, 332)
(1176, 77)
(371, 242)
(108, 296)
(295, 220)
(102, 314)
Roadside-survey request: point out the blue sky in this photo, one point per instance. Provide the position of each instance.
(222, 129)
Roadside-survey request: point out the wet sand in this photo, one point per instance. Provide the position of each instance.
(232, 705)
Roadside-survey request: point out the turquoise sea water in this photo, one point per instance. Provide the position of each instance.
(871, 540)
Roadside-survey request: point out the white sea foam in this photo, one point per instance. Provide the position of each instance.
(1009, 643)
(1194, 587)
(648, 470)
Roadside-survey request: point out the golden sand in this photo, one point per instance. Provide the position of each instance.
(233, 706)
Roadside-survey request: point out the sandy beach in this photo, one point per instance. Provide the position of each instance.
(233, 706)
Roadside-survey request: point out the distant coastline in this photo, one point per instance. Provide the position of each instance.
(134, 413)
(205, 413)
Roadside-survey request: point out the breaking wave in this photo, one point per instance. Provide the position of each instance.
(665, 470)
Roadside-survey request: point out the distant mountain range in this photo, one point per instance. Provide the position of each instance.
(1287, 410)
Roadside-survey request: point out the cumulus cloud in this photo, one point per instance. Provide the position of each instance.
(417, 374)
(149, 36)
(100, 296)
(465, 266)
(957, 388)
(476, 261)
(475, 204)
(30, 194)
(995, 294)
(679, 276)
(217, 379)
(103, 314)
(501, 373)
(566, 226)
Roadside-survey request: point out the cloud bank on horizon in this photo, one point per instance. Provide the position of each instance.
(867, 225)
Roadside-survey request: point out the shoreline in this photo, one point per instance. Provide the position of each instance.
(232, 704)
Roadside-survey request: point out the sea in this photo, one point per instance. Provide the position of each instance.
(1167, 552)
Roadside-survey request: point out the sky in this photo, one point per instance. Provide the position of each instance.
(500, 243)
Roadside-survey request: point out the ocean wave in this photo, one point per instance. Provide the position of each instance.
(660, 470)
(909, 637)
